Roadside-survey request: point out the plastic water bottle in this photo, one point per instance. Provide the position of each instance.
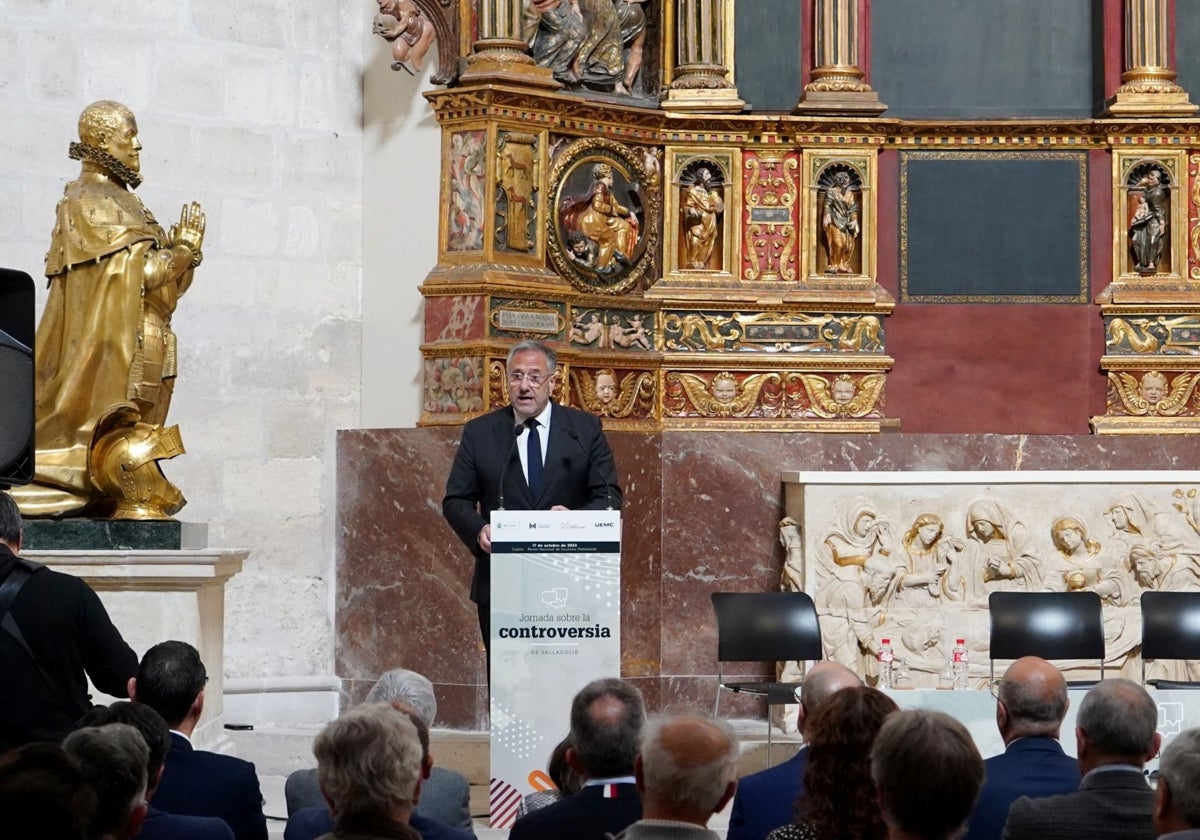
(885, 663)
(959, 663)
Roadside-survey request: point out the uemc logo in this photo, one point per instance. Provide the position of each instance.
(606, 524)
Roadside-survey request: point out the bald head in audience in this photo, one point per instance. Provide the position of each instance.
(820, 683)
(1033, 700)
(687, 769)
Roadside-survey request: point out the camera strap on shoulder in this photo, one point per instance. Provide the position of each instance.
(13, 582)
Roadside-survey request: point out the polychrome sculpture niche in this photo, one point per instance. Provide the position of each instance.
(604, 225)
(1149, 214)
(918, 566)
(588, 44)
(702, 209)
(841, 226)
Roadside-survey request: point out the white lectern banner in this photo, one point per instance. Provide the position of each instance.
(556, 626)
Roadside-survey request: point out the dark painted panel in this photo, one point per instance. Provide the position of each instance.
(1187, 47)
(980, 225)
(979, 59)
(767, 54)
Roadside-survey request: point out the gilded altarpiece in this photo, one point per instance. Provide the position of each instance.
(1151, 310)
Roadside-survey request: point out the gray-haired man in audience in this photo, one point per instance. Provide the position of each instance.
(445, 794)
(1177, 800)
(686, 772)
(1114, 736)
(113, 759)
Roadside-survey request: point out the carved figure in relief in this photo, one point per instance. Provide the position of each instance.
(1153, 387)
(724, 396)
(606, 386)
(702, 204)
(516, 177)
(410, 33)
(929, 556)
(695, 332)
(856, 333)
(858, 540)
(839, 221)
(1148, 223)
(1151, 395)
(583, 41)
(591, 331)
(602, 219)
(1163, 548)
(999, 555)
(629, 336)
(582, 250)
(792, 579)
(1081, 564)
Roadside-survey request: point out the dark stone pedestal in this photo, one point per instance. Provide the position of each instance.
(113, 535)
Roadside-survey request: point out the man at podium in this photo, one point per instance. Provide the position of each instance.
(562, 462)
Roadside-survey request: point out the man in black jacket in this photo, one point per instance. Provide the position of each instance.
(54, 634)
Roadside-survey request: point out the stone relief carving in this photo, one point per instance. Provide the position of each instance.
(957, 545)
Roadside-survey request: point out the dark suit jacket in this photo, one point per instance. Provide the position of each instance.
(311, 823)
(579, 474)
(445, 796)
(586, 815)
(160, 826)
(1109, 805)
(1032, 767)
(207, 784)
(767, 799)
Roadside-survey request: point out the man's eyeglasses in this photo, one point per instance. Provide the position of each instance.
(534, 379)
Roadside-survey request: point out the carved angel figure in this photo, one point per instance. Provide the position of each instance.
(724, 400)
(410, 33)
(1151, 395)
(842, 397)
(603, 395)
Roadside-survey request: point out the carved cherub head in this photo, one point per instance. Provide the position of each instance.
(843, 388)
(606, 386)
(1153, 387)
(724, 387)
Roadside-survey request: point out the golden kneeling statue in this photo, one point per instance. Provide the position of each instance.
(105, 354)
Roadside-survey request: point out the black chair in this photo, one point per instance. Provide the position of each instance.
(764, 627)
(1052, 625)
(1170, 630)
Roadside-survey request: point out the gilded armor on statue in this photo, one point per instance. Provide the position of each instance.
(105, 351)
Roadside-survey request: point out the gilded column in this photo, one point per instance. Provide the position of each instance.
(500, 54)
(702, 75)
(838, 84)
(1147, 81)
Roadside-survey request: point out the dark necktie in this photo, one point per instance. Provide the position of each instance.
(533, 455)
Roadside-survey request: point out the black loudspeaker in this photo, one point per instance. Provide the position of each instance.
(16, 378)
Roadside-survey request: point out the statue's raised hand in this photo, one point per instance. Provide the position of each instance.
(189, 231)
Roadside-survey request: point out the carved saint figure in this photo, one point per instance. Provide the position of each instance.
(1148, 224)
(603, 220)
(929, 555)
(702, 204)
(839, 221)
(105, 351)
(1081, 564)
(999, 555)
(583, 41)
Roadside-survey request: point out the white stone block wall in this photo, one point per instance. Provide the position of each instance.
(268, 115)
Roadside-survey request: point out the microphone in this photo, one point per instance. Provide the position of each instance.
(607, 487)
(504, 472)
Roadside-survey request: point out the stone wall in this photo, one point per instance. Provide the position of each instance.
(259, 115)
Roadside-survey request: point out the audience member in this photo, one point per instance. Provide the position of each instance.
(153, 729)
(1031, 702)
(1114, 737)
(54, 634)
(196, 783)
(113, 759)
(445, 794)
(44, 795)
(766, 800)
(369, 766)
(566, 781)
(927, 774)
(686, 772)
(311, 823)
(1177, 799)
(607, 716)
(838, 800)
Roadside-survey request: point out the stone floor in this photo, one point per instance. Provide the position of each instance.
(277, 752)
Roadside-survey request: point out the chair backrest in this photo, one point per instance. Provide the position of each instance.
(1052, 625)
(766, 626)
(1171, 625)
